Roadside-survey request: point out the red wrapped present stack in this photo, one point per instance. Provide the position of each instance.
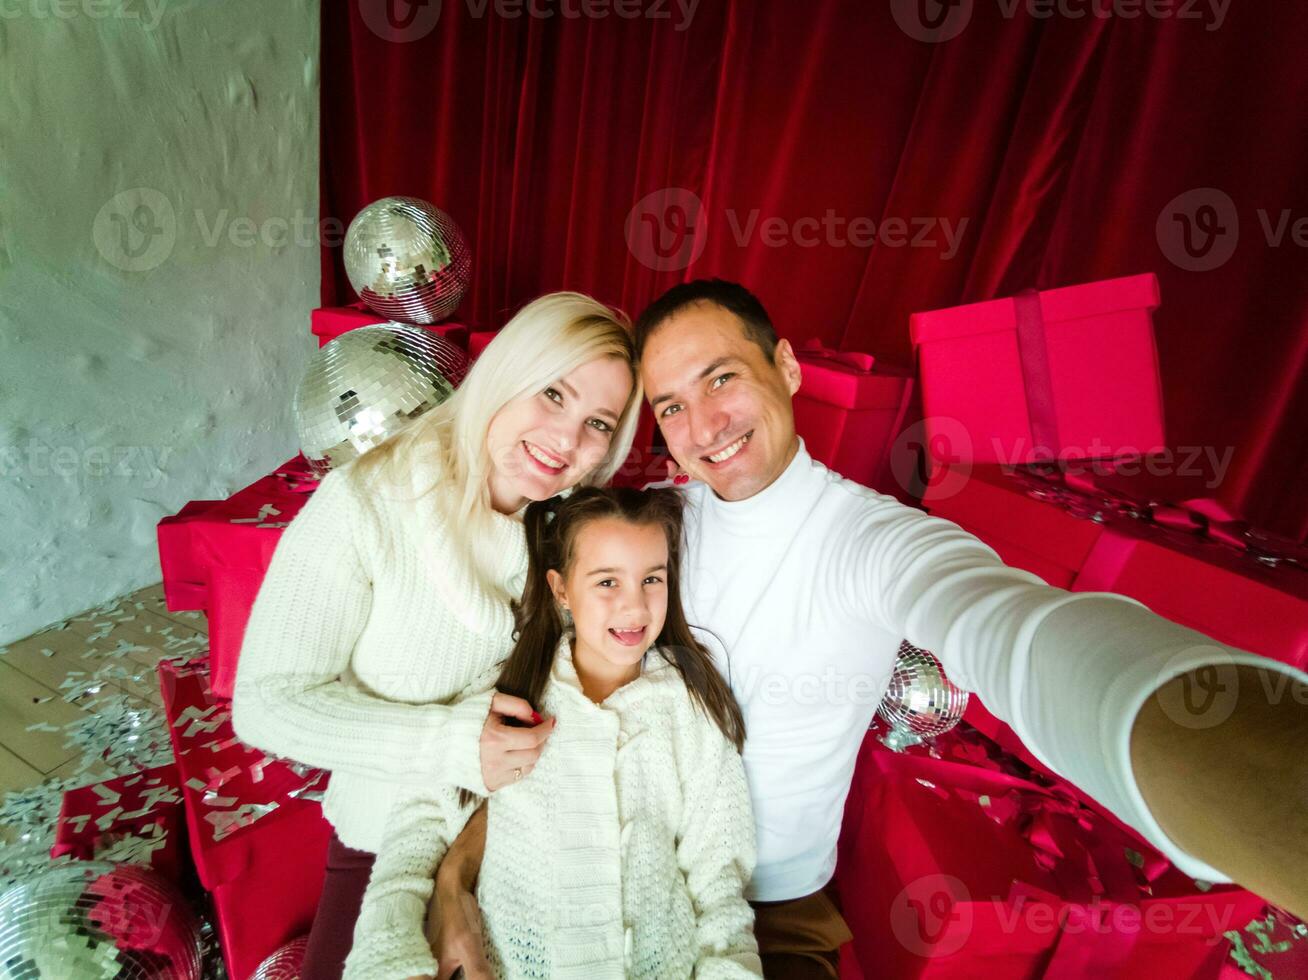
(329, 322)
(257, 834)
(956, 861)
(1063, 373)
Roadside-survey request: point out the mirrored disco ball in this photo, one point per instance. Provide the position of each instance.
(407, 260)
(366, 384)
(921, 701)
(285, 963)
(92, 919)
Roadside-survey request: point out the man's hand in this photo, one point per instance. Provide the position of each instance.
(508, 751)
(1219, 757)
(453, 919)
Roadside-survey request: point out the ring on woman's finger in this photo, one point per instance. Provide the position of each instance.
(517, 773)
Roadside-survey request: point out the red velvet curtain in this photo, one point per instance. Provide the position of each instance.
(851, 172)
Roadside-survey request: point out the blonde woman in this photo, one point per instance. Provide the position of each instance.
(389, 593)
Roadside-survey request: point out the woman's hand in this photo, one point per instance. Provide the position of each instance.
(509, 751)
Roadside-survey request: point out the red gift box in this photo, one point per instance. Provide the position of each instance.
(329, 322)
(136, 818)
(1063, 373)
(185, 582)
(258, 837)
(966, 865)
(227, 546)
(849, 411)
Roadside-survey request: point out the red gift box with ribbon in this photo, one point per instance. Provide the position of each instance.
(135, 818)
(1063, 373)
(227, 547)
(849, 409)
(255, 825)
(329, 322)
(955, 861)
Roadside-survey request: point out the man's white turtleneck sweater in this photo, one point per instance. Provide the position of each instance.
(804, 592)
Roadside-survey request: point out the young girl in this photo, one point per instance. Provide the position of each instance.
(625, 850)
(390, 592)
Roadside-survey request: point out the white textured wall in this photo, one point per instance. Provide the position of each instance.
(158, 261)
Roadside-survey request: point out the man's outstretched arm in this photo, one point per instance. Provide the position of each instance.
(453, 921)
(1070, 672)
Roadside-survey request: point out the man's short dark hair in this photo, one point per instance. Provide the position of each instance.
(730, 296)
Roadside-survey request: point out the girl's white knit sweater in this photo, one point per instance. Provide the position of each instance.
(624, 853)
(366, 627)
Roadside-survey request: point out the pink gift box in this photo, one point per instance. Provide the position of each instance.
(1063, 373)
(964, 866)
(1026, 532)
(329, 322)
(257, 835)
(849, 411)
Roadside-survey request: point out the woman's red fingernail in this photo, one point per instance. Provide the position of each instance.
(680, 479)
(536, 719)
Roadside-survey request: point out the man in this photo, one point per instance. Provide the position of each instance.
(804, 584)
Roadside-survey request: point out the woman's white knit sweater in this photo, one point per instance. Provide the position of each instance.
(367, 626)
(624, 853)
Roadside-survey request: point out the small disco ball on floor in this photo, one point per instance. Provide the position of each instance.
(367, 384)
(407, 260)
(921, 702)
(92, 919)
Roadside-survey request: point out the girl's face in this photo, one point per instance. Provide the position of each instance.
(544, 443)
(617, 589)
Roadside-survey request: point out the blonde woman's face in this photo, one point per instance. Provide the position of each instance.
(544, 443)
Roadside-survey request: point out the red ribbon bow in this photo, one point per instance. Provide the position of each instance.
(853, 359)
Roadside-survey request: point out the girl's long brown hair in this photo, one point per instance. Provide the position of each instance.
(552, 529)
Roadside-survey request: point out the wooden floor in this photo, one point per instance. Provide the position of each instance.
(53, 678)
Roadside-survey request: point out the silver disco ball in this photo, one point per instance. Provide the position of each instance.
(366, 384)
(921, 701)
(92, 919)
(285, 963)
(407, 260)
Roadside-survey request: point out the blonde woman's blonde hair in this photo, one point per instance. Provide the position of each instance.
(548, 339)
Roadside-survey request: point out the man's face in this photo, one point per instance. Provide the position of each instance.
(724, 409)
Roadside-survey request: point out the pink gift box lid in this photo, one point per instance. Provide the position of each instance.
(1065, 303)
